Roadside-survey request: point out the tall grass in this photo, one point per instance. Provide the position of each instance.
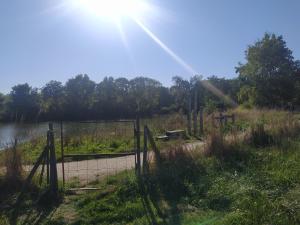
(13, 165)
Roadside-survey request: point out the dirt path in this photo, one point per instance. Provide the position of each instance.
(89, 170)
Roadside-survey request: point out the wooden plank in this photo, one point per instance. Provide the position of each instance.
(104, 155)
(84, 189)
(31, 174)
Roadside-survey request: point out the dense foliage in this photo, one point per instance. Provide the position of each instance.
(270, 77)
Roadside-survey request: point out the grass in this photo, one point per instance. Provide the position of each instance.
(249, 181)
(249, 186)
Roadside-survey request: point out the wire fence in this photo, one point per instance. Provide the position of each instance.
(95, 150)
(85, 171)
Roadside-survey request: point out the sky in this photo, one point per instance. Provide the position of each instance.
(43, 40)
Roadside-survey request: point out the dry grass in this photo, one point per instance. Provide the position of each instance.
(13, 167)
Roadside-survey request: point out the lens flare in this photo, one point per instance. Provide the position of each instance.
(185, 65)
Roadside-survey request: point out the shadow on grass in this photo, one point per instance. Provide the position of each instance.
(167, 183)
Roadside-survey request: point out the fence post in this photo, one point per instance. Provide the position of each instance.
(134, 144)
(145, 150)
(201, 121)
(189, 125)
(195, 113)
(53, 168)
(138, 145)
(47, 161)
(62, 152)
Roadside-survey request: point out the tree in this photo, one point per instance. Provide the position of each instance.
(180, 92)
(2, 106)
(52, 99)
(270, 72)
(144, 94)
(105, 99)
(79, 92)
(24, 102)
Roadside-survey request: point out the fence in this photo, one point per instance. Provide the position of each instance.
(95, 150)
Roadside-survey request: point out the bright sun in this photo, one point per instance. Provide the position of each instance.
(112, 9)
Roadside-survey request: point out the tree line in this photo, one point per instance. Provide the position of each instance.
(270, 77)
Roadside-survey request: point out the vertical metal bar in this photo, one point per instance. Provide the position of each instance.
(145, 150)
(189, 114)
(195, 112)
(62, 152)
(53, 168)
(47, 160)
(138, 143)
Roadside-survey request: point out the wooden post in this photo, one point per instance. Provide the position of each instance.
(53, 168)
(195, 113)
(201, 121)
(62, 151)
(189, 125)
(145, 150)
(153, 145)
(138, 144)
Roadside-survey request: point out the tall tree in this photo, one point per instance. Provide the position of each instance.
(79, 93)
(269, 73)
(144, 93)
(24, 102)
(52, 99)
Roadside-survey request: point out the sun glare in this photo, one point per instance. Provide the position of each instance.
(112, 9)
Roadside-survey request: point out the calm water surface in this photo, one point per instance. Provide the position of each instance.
(11, 131)
(24, 132)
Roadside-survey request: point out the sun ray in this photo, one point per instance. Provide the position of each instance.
(184, 64)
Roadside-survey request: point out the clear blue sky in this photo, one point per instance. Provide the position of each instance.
(41, 41)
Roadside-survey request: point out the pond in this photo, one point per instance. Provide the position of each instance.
(27, 131)
(11, 131)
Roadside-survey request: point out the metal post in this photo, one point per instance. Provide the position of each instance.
(189, 115)
(62, 151)
(145, 150)
(138, 144)
(195, 113)
(53, 168)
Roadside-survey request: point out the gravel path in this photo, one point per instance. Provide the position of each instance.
(89, 170)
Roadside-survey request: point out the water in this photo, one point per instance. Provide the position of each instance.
(11, 131)
(25, 132)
